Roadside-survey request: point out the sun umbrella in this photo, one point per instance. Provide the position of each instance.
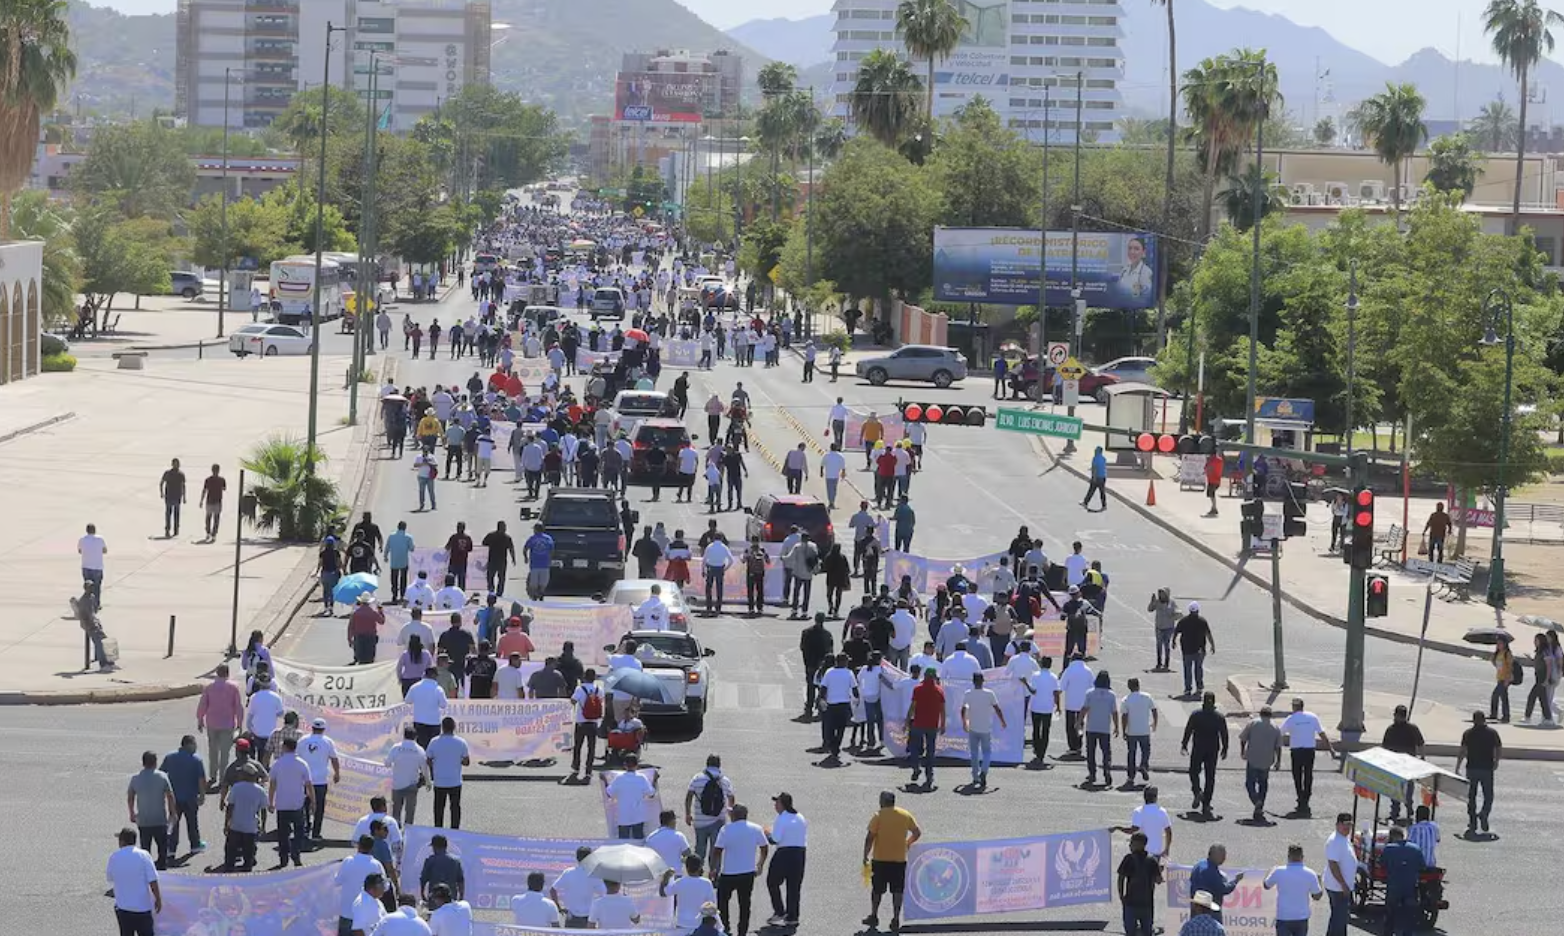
(349, 587)
(1488, 636)
(637, 334)
(626, 864)
(637, 683)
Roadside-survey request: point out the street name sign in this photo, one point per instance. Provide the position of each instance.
(1035, 423)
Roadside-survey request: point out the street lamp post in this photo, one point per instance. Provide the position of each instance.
(222, 211)
(1352, 350)
(1254, 268)
(320, 236)
(1499, 303)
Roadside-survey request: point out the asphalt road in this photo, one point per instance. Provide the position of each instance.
(66, 768)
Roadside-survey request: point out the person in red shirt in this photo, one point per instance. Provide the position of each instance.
(364, 629)
(925, 723)
(1214, 466)
(497, 381)
(514, 387)
(885, 478)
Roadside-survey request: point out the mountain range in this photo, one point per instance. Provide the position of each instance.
(1309, 61)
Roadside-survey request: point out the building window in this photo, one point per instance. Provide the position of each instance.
(1072, 20)
(1105, 41)
(1072, 40)
(1102, 20)
(1101, 63)
(1100, 82)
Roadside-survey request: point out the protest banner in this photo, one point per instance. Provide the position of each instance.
(645, 812)
(364, 733)
(436, 562)
(928, 573)
(1250, 910)
(338, 687)
(494, 729)
(296, 902)
(588, 625)
(735, 587)
(1008, 740)
(952, 879)
(359, 782)
(495, 867)
(681, 353)
(586, 360)
(890, 422)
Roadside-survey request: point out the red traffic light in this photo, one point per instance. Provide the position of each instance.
(1166, 444)
(1145, 442)
(1377, 586)
(913, 412)
(1363, 514)
(934, 413)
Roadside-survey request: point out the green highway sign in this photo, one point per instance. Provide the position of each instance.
(1043, 424)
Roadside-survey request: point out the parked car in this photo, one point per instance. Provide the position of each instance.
(607, 302)
(589, 540)
(928, 363)
(670, 435)
(775, 515)
(679, 663)
(185, 284)
(269, 340)
(632, 592)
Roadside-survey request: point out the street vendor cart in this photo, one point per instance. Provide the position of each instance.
(1379, 775)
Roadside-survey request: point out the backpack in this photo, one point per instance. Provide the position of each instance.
(1517, 673)
(712, 798)
(592, 705)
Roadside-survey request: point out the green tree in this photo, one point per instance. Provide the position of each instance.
(1240, 199)
(988, 175)
(1522, 35)
(830, 137)
(1227, 98)
(1324, 131)
(1453, 166)
(885, 97)
(1393, 126)
(428, 236)
(256, 229)
(1140, 131)
(776, 78)
(931, 30)
(118, 256)
(33, 217)
(300, 212)
(761, 249)
(140, 168)
(708, 212)
(498, 140)
(291, 498)
(1495, 127)
(36, 65)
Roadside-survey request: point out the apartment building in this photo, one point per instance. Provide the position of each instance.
(1022, 56)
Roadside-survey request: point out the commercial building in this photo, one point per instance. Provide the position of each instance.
(1013, 51)
(266, 50)
(21, 316)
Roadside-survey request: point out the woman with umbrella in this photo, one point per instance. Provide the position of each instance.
(1503, 674)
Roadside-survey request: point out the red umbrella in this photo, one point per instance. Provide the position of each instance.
(637, 334)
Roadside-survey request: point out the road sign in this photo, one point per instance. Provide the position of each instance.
(1043, 424)
(1072, 369)
(1058, 353)
(1071, 392)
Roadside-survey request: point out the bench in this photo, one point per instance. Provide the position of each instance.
(1459, 583)
(131, 360)
(1388, 547)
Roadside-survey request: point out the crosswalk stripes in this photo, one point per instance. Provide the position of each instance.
(751, 697)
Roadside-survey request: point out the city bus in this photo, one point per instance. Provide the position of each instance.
(485, 262)
(292, 289)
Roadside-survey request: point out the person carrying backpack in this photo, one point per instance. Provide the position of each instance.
(587, 701)
(710, 793)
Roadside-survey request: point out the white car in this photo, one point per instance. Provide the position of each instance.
(607, 302)
(680, 665)
(269, 340)
(632, 592)
(632, 406)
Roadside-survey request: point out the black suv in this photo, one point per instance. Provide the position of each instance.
(588, 536)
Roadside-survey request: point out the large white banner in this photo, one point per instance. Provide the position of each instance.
(1007, 741)
(339, 687)
(494, 729)
(681, 353)
(588, 626)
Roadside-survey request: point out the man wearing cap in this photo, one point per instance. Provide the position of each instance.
(1260, 744)
(364, 629)
(789, 833)
(1301, 730)
(1202, 914)
(1193, 633)
(319, 752)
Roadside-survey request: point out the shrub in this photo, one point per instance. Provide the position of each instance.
(58, 363)
(836, 339)
(299, 505)
(51, 345)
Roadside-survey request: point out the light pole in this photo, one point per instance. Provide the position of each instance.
(362, 328)
(1077, 303)
(320, 236)
(809, 214)
(222, 211)
(1254, 270)
(1352, 349)
(1499, 303)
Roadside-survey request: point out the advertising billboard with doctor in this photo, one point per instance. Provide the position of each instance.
(1000, 265)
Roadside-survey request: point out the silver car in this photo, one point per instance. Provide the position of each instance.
(923, 363)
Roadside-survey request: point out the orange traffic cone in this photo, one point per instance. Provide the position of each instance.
(1151, 493)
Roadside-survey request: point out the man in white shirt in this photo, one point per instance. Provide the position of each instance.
(429, 704)
(626, 657)
(416, 627)
(795, 464)
(510, 682)
(405, 921)
(979, 708)
(927, 660)
(92, 549)
(838, 421)
(289, 794)
(959, 667)
(532, 908)
(1020, 663)
(790, 834)
(1139, 711)
(132, 874)
(715, 561)
(352, 876)
(448, 754)
(575, 890)
(689, 463)
(667, 841)
(838, 685)
(689, 893)
(450, 598)
(613, 910)
(1042, 703)
(741, 854)
(631, 792)
(420, 594)
(449, 917)
(1300, 731)
(1076, 680)
(1296, 884)
(319, 752)
(652, 614)
(1152, 819)
(367, 911)
(1341, 874)
(704, 811)
(409, 772)
(1075, 565)
(904, 626)
(833, 465)
(261, 715)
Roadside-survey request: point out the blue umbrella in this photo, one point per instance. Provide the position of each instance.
(637, 683)
(349, 587)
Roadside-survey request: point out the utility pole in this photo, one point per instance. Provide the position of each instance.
(222, 211)
(1042, 247)
(1352, 672)
(363, 297)
(809, 215)
(1257, 207)
(1352, 346)
(320, 236)
(1077, 304)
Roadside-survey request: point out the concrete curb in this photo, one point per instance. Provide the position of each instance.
(42, 424)
(148, 693)
(1455, 649)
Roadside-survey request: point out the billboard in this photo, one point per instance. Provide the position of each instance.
(1000, 265)
(661, 97)
(979, 65)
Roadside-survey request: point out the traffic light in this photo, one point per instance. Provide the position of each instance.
(1294, 508)
(1253, 523)
(1361, 518)
(1165, 444)
(1159, 444)
(1196, 445)
(940, 414)
(1377, 596)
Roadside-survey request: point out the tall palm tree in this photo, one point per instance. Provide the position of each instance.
(1393, 126)
(1494, 128)
(885, 97)
(830, 138)
(36, 63)
(931, 29)
(1521, 36)
(1227, 98)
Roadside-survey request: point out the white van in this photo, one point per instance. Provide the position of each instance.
(607, 302)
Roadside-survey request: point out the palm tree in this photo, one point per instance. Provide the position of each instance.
(35, 218)
(291, 498)
(1227, 98)
(931, 29)
(36, 63)
(776, 78)
(885, 97)
(1495, 128)
(1520, 30)
(1393, 126)
(830, 138)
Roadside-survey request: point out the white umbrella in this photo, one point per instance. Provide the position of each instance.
(624, 863)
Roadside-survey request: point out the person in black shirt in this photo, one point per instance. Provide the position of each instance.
(1480, 750)
(815, 645)
(1139, 874)
(1206, 731)
(172, 487)
(366, 525)
(627, 518)
(361, 556)
(656, 464)
(859, 616)
(459, 546)
(329, 567)
(646, 553)
(857, 648)
(570, 667)
(880, 631)
(1403, 737)
(457, 644)
(480, 672)
(1193, 634)
(502, 552)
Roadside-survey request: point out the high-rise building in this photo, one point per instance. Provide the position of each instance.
(268, 49)
(678, 86)
(1013, 50)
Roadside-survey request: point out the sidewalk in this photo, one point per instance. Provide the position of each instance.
(102, 465)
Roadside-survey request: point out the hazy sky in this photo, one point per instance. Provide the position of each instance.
(1389, 30)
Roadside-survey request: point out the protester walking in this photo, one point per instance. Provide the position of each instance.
(219, 713)
(1260, 745)
(448, 754)
(979, 708)
(1303, 733)
(1296, 884)
(1205, 739)
(892, 832)
(133, 877)
(789, 834)
(1099, 481)
(1139, 874)
(740, 853)
(1194, 638)
(186, 775)
(150, 801)
(1480, 751)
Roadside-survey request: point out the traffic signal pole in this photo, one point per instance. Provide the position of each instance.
(1352, 672)
(1278, 649)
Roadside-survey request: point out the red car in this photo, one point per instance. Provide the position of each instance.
(775, 515)
(670, 435)
(1024, 380)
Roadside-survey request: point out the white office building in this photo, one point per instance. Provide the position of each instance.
(1013, 52)
(265, 50)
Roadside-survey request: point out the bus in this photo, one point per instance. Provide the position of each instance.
(292, 289)
(485, 262)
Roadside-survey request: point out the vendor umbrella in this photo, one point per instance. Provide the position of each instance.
(626, 864)
(349, 587)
